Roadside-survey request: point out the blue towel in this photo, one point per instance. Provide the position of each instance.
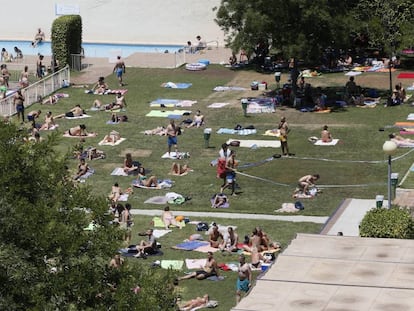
(191, 245)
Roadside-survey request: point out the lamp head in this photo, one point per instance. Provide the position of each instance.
(389, 147)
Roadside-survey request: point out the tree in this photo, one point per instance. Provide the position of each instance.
(47, 260)
(388, 24)
(296, 28)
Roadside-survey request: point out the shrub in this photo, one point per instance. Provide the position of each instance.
(387, 223)
(66, 38)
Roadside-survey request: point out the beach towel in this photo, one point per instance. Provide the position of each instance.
(224, 205)
(157, 233)
(206, 248)
(162, 184)
(195, 263)
(88, 174)
(78, 117)
(410, 117)
(236, 132)
(287, 208)
(172, 85)
(228, 88)
(217, 105)
(76, 136)
(353, 73)
(119, 171)
(123, 197)
(157, 221)
(406, 75)
(190, 245)
(131, 250)
(161, 200)
(257, 143)
(274, 133)
(53, 127)
(114, 92)
(407, 132)
(173, 114)
(258, 108)
(172, 264)
(403, 144)
(105, 143)
(171, 103)
(174, 155)
(404, 125)
(319, 142)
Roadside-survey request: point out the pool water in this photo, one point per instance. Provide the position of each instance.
(90, 49)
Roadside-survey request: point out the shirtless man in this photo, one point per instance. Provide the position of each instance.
(77, 111)
(49, 121)
(39, 37)
(172, 131)
(307, 182)
(209, 269)
(18, 101)
(230, 242)
(231, 165)
(215, 237)
(326, 136)
(82, 169)
(244, 280)
(148, 246)
(119, 69)
(33, 115)
(79, 130)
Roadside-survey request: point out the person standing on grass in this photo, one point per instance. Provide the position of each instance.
(119, 69)
(231, 166)
(244, 279)
(284, 130)
(172, 132)
(18, 101)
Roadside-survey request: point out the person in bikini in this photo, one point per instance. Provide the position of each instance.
(129, 165)
(326, 136)
(178, 169)
(82, 169)
(194, 303)
(146, 181)
(197, 121)
(209, 269)
(169, 219)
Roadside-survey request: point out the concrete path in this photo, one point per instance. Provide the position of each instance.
(314, 219)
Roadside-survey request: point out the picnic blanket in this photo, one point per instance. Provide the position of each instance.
(106, 143)
(236, 132)
(257, 143)
(190, 245)
(88, 174)
(173, 85)
(172, 114)
(228, 88)
(319, 142)
(53, 127)
(172, 264)
(260, 105)
(206, 249)
(123, 197)
(77, 136)
(171, 103)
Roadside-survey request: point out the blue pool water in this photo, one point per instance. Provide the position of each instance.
(91, 49)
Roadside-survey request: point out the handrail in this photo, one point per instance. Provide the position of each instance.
(36, 91)
(214, 41)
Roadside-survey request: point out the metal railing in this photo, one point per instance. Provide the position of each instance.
(37, 91)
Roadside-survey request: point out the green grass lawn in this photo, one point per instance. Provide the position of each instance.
(357, 159)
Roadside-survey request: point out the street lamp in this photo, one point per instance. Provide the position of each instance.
(389, 148)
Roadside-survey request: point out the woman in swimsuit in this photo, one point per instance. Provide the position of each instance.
(146, 181)
(169, 219)
(129, 165)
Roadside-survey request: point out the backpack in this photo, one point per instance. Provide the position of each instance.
(202, 226)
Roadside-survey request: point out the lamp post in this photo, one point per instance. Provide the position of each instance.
(389, 148)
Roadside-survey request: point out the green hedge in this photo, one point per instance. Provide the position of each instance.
(387, 223)
(66, 38)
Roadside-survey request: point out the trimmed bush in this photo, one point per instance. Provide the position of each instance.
(387, 223)
(66, 38)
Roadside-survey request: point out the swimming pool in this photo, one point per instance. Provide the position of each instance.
(91, 49)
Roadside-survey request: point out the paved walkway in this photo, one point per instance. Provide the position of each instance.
(314, 219)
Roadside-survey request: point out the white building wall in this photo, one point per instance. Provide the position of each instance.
(118, 21)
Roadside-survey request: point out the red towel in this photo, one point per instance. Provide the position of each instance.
(406, 75)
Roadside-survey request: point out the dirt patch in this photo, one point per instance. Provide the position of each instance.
(139, 153)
